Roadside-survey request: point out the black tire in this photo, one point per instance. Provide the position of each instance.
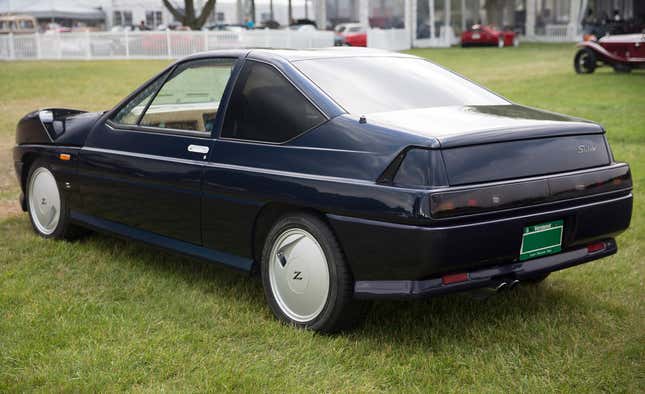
(64, 229)
(585, 61)
(537, 279)
(341, 311)
(622, 68)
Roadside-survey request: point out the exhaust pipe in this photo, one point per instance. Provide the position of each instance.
(485, 292)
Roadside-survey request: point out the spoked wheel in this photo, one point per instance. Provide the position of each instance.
(585, 61)
(500, 42)
(622, 68)
(47, 206)
(305, 278)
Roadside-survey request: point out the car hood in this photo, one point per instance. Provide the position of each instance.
(453, 126)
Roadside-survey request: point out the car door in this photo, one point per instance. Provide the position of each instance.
(143, 167)
(264, 112)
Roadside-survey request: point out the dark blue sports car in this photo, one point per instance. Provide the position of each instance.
(336, 175)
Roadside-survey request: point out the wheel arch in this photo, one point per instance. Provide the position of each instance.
(267, 217)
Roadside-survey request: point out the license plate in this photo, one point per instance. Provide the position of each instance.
(541, 240)
(475, 36)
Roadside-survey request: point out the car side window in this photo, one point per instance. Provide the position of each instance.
(266, 107)
(190, 98)
(130, 113)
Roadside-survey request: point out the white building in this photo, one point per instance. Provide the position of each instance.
(154, 13)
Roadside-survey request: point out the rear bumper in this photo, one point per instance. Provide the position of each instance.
(381, 251)
(488, 277)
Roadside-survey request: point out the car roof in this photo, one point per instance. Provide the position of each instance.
(291, 55)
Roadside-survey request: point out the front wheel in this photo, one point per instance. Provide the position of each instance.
(305, 278)
(585, 61)
(48, 209)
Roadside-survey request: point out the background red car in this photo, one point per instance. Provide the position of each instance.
(480, 35)
(352, 34)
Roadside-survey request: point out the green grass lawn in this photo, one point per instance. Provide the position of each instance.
(111, 315)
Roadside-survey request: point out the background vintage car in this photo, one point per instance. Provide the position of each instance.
(622, 52)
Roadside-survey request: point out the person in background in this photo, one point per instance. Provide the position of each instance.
(249, 24)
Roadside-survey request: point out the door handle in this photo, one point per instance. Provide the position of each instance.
(198, 149)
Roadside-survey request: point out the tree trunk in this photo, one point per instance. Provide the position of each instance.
(290, 21)
(188, 17)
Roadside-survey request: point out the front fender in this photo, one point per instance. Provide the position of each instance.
(600, 50)
(55, 126)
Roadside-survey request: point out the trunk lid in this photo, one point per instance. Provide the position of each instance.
(491, 143)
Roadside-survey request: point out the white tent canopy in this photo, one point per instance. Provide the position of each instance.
(52, 9)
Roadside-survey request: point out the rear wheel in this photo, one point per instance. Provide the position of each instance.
(585, 61)
(622, 68)
(306, 280)
(500, 42)
(47, 207)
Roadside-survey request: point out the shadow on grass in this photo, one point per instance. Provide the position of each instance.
(429, 323)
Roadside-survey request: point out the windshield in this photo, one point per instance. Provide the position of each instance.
(363, 85)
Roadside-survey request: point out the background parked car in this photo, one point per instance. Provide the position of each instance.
(481, 35)
(351, 34)
(623, 52)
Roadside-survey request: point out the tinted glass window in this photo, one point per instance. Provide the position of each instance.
(189, 100)
(129, 114)
(364, 85)
(265, 106)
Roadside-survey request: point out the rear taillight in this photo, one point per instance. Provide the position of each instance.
(511, 195)
(472, 201)
(596, 247)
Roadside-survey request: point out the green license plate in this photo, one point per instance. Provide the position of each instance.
(541, 240)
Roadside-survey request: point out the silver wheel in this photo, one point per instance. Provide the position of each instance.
(299, 275)
(500, 42)
(44, 200)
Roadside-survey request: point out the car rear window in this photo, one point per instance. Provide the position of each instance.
(364, 85)
(266, 107)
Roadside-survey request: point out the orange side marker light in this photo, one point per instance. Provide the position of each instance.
(65, 156)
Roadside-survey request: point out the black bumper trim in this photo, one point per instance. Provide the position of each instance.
(487, 277)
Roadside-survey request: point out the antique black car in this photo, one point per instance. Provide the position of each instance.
(336, 175)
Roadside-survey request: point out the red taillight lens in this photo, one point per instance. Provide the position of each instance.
(596, 247)
(454, 278)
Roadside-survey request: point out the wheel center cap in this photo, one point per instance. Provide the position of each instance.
(297, 276)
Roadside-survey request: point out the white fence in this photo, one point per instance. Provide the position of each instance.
(390, 39)
(152, 44)
(557, 33)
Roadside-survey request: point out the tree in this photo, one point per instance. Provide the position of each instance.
(290, 21)
(253, 11)
(188, 16)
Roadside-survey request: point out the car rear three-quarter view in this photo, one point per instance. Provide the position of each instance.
(337, 175)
